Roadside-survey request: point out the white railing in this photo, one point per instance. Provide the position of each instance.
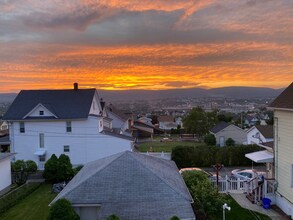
(230, 185)
(41, 165)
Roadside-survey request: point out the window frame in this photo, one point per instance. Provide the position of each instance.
(68, 126)
(21, 127)
(66, 149)
(41, 112)
(41, 140)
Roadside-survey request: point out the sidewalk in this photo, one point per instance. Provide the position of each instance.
(245, 203)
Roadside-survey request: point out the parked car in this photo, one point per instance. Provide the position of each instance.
(247, 174)
(165, 139)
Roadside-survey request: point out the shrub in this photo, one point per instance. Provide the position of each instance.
(230, 142)
(113, 217)
(210, 139)
(205, 196)
(204, 156)
(174, 218)
(51, 168)
(62, 210)
(58, 170)
(77, 169)
(21, 169)
(13, 197)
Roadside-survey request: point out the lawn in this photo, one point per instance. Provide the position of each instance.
(33, 207)
(164, 146)
(239, 213)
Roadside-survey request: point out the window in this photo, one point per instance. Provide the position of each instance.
(68, 126)
(66, 149)
(291, 176)
(41, 112)
(21, 127)
(42, 158)
(42, 141)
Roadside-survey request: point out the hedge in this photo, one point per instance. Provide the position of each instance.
(12, 198)
(205, 156)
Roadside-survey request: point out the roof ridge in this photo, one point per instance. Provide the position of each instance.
(90, 176)
(164, 180)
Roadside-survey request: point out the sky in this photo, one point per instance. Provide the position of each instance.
(145, 44)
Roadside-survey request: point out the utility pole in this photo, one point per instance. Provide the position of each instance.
(217, 168)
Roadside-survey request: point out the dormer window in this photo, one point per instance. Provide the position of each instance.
(68, 126)
(41, 112)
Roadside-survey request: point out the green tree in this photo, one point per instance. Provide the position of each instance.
(174, 218)
(65, 171)
(62, 210)
(113, 217)
(230, 142)
(51, 169)
(199, 122)
(206, 197)
(21, 169)
(210, 140)
(31, 166)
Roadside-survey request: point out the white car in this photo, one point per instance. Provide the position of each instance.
(247, 174)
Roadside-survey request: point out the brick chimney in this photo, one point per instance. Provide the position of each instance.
(75, 86)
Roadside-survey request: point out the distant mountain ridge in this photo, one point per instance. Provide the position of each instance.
(228, 92)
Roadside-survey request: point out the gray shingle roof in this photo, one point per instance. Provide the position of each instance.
(220, 126)
(65, 104)
(133, 186)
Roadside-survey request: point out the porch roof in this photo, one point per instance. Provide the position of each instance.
(261, 156)
(40, 152)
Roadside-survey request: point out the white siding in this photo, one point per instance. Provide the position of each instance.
(85, 141)
(36, 112)
(5, 173)
(237, 134)
(284, 152)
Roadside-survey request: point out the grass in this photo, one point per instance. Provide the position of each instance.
(33, 207)
(239, 213)
(164, 146)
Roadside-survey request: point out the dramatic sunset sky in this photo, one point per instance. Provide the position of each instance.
(141, 44)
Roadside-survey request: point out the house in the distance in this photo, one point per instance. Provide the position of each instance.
(283, 150)
(5, 171)
(166, 122)
(71, 122)
(131, 186)
(223, 131)
(260, 134)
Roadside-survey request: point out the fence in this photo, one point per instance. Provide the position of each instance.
(230, 185)
(163, 155)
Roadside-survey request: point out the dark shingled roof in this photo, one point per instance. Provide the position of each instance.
(220, 126)
(284, 100)
(65, 104)
(133, 186)
(266, 130)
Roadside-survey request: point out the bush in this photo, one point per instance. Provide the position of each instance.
(230, 142)
(77, 169)
(13, 197)
(205, 156)
(113, 217)
(21, 169)
(58, 170)
(210, 139)
(62, 210)
(207, 198)
(174, 218)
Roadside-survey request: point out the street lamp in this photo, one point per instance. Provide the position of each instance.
(225, 206)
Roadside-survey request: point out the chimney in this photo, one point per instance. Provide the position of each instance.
(75, 86)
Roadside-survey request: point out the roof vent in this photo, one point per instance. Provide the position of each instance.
(75, 86)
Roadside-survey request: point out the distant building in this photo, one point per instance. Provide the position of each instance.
(223, 131)
(260, 134)
(131, 186)
(166, 122)
(72, 122)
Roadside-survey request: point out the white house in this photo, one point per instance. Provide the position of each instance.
(5, 171)
(260, 134)
(166, 122)
(283, 150)
(73, 122)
